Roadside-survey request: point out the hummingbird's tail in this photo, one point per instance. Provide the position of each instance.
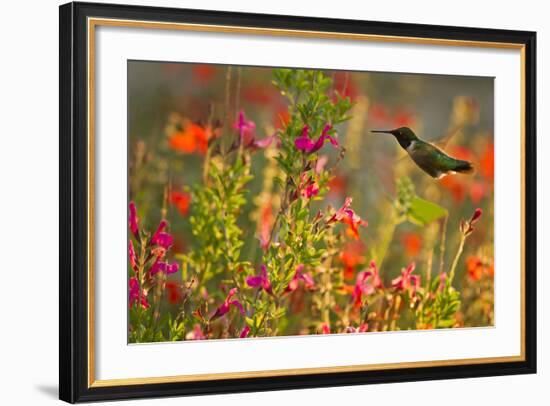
(463, 167)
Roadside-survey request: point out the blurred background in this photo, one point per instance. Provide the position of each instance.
(171, 104)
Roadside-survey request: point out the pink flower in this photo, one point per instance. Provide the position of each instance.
(364, 287)
(132, 255)
(264, 142)
(225, 307)
(195, 334)
(442, 281)
(321, 163)
(247, 136)
(165, 267)
(134, 294)
(261, 281)
(299, 275)
(407, 281)
(245, 332)
(346, 215)
(363, 328)
(307, 145)
(133, 220)
(307, 188)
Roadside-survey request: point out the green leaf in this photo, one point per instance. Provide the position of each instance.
(423, 212)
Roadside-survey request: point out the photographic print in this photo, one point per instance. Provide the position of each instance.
(270, 202)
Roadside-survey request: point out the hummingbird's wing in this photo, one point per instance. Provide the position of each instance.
(434, 161)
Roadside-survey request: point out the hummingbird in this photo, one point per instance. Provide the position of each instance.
(426, 156)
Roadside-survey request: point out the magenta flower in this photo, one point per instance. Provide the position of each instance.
(407, 281)
(246, 129)
(164, 267)
(299, 275)
(245, 332)
(133, 220)
(160, 237)
(226, 305)
(135, 294)
(262, 281)
(305, 144)
(195, 334)
(346, 215)
(132, 255)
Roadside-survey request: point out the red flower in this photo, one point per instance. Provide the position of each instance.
(325, 328)
(174, 292)
(182, 201)
(467, 226)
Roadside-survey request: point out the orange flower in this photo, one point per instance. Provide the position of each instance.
(337, 185)
(476, 268)
(455, 187)
(181, 200)
(204, 73)
(265, 224)
(412, 243)
(352, 256)
(487, 162)
(193, 138)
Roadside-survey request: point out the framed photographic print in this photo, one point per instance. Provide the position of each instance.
(257, 202)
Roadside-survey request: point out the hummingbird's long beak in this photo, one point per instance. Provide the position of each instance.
(381, 131)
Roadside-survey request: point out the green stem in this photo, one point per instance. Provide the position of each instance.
(455, 261)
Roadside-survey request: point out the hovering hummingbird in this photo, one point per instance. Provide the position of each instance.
(428, 157)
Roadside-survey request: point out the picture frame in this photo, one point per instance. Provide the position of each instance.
(79, 163)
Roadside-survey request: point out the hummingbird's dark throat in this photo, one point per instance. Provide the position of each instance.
(403, 141)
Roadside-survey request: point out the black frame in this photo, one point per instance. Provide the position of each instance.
(73, 294)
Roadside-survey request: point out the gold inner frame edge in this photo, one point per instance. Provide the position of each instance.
(92, 23)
